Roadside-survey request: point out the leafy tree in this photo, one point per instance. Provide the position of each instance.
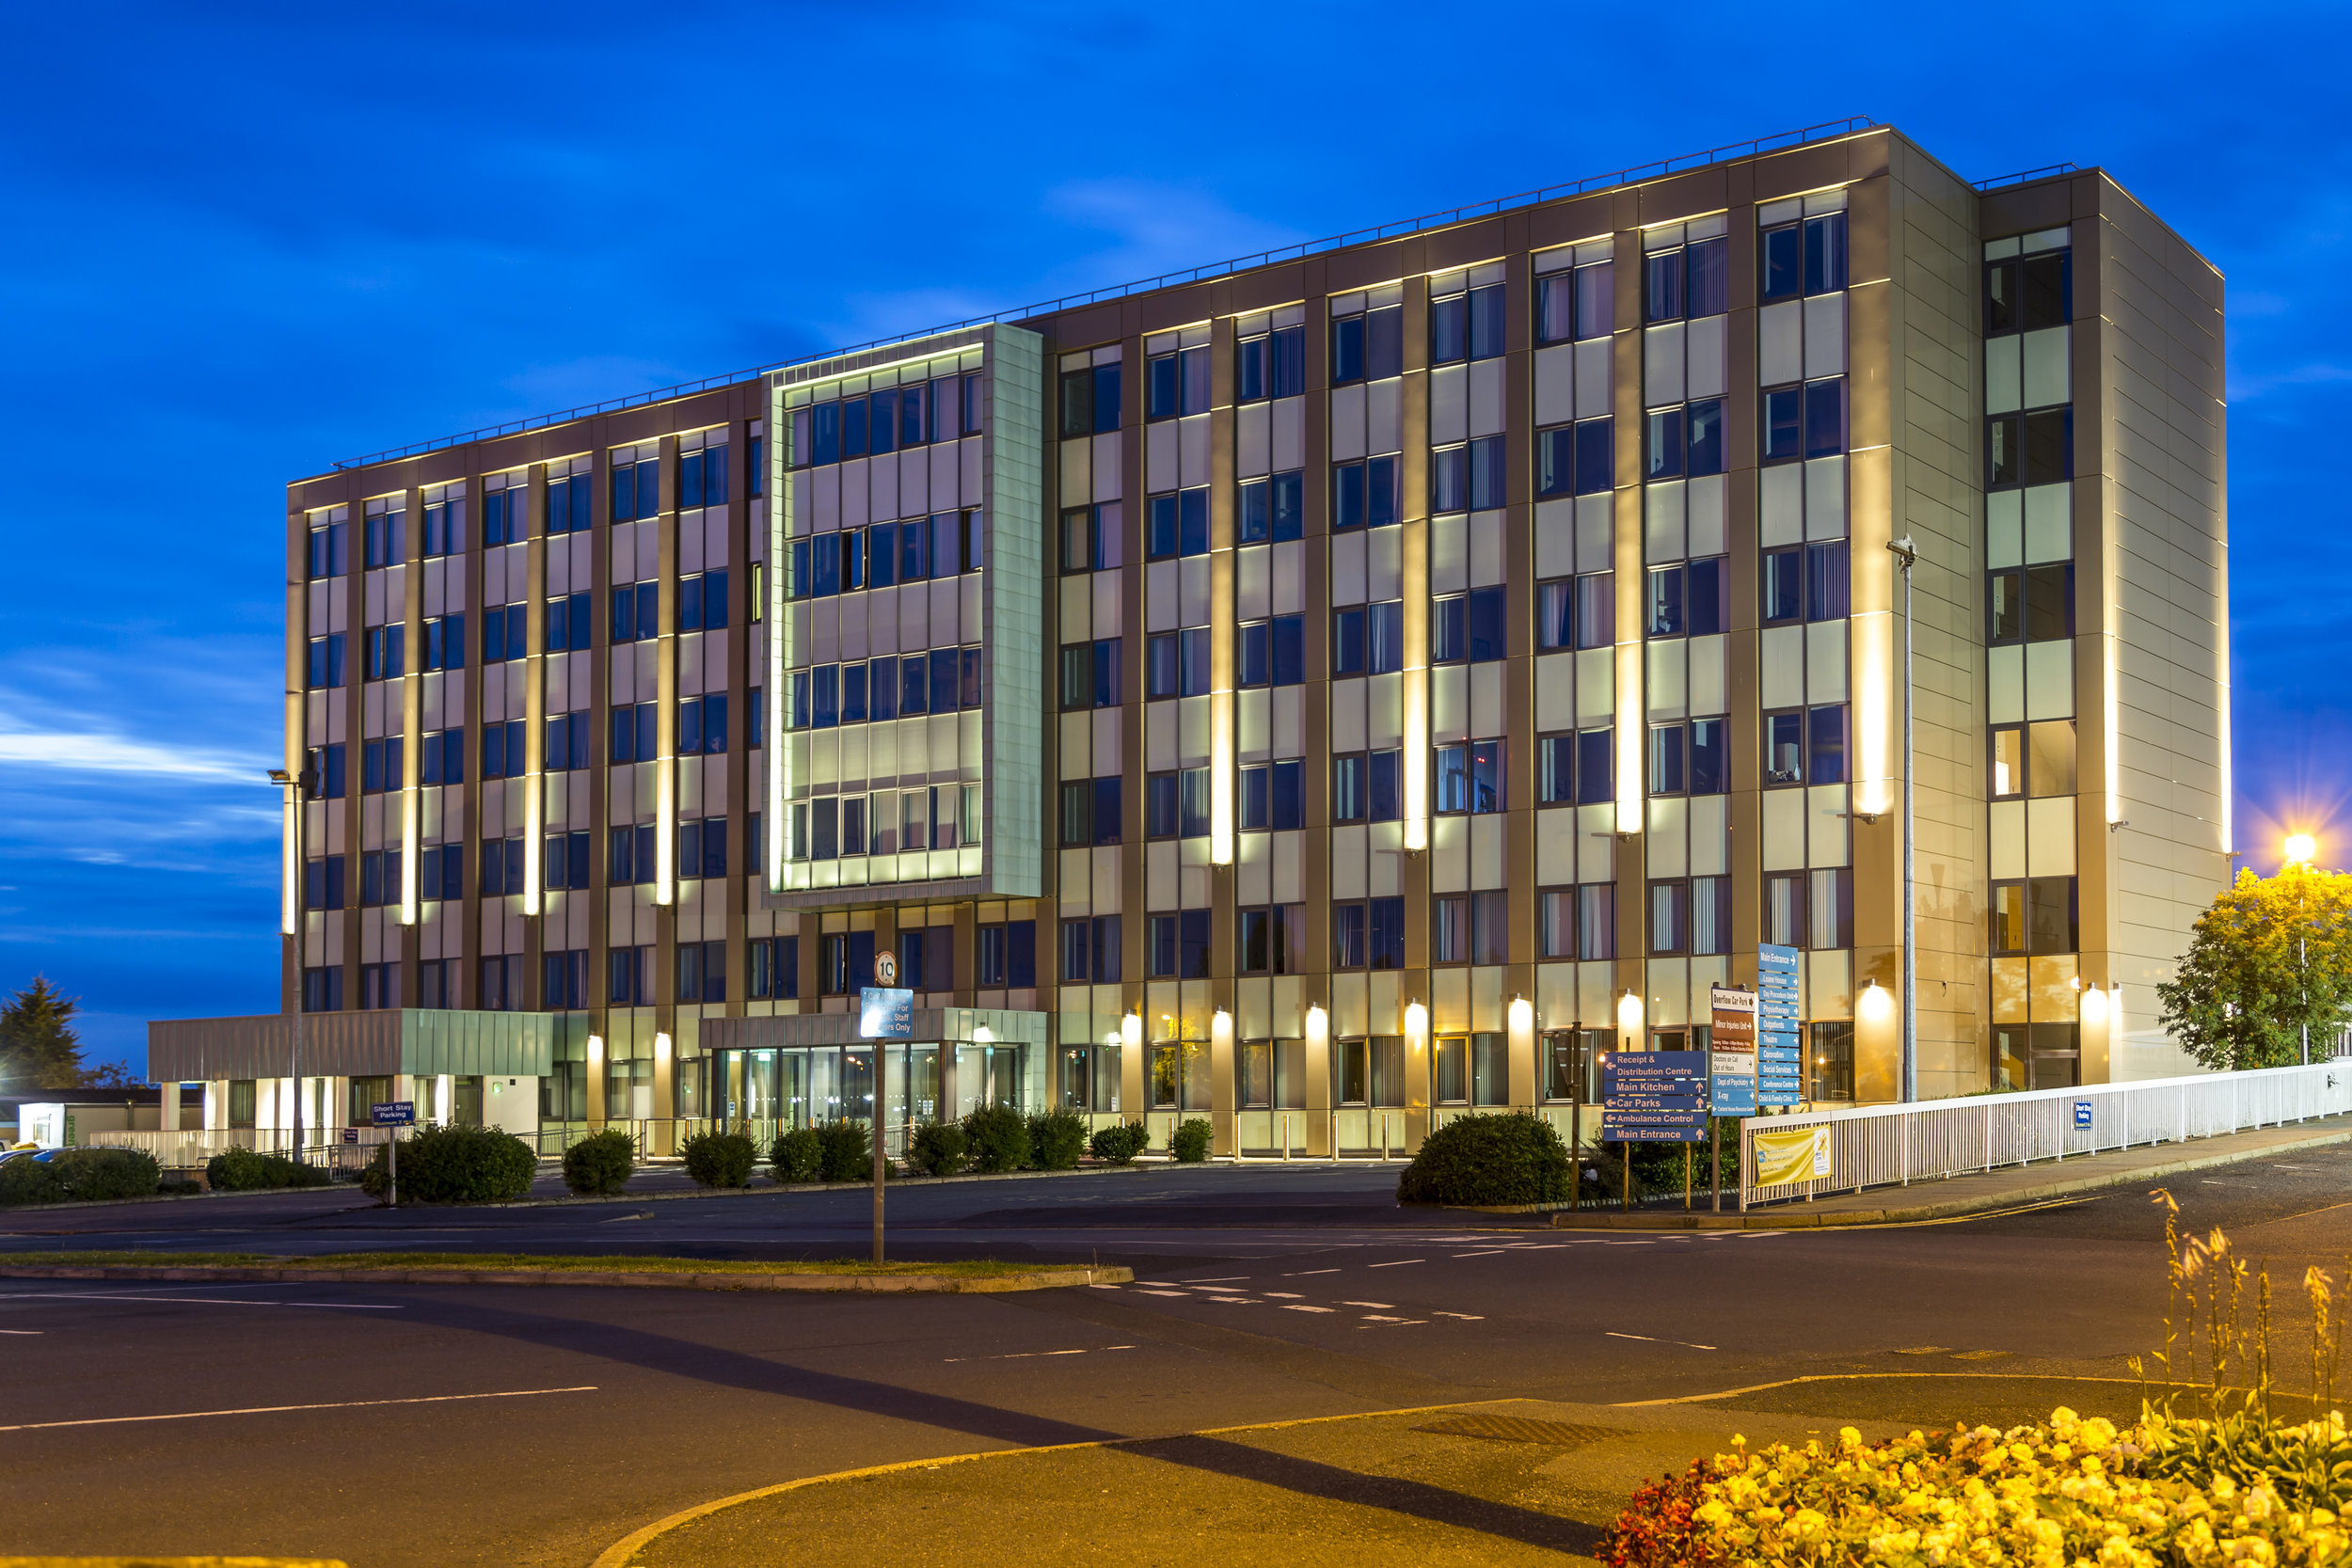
(2271, 955)
(39, 1046)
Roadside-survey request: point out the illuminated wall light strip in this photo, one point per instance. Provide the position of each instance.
(1415, 684)
(778, 824)
(534, 753)
(1221, 777)
(1631, 734)
(2111, 700)
(1875, 707)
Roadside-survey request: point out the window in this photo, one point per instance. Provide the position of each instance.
(1805, 582)
(2026, 295)
(1368, 346)
(1270, 365)
(441, 757)
(1807, 257)
(1364, 788)
(445, 642)
(1471, 778)
(382, 653)
(702, 600)
(702, 846)
(505, 632)
(379, 877)
(1089, 674)
(1272, 508)
(1468, 627)
(502, 753)
(1271, 940)
(1469, 477)
(1803, 421)
(1272, 795)
(564, 980)
(1829, 908)
(329, 777)
(1829, 1058)
(636, 611)
(1577, 459)
(2038, 915)
(564, 861)
(1596, 920)
(1369, 935)
(2031, 604)
(636, 484)
(1091, 812)
(1669, 918)
(1686, 441)
(566, 510)
(636, 733)
(775, 964)
(505, 510)
(1178, 523)
(379, 765)
(1576, 612)
(1363, 494)
(1178, 383)
(1176, 805)
(1691, 599)
(2033, 759)
(702, 722)
(702, 972)
(1271, 652)
(1576, 303)
(1466, 324)
(386, 533)
(1090, 950)
(322, 989)
(1179, 946)
(1368, 638)
(1688, 280)
(629, 977)
(702, 479)
(1469, 927)
(2033, 448)
(629, 855)
(1006, 955)
(330, 552)
(755, 457)
(567, 626)
(1089, 400)
(1091, 540)
(501, 865)
(1577, 769)
(380, 986)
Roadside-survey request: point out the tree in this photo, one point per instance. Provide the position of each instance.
(39, 1048)
(2271, 958)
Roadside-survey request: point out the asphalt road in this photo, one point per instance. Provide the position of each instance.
(497, 1425)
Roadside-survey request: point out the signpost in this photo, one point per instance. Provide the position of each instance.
(395, 1115)
(1731, 1069)
(1779, 1056)
(885, 1012)
(1655, 1097)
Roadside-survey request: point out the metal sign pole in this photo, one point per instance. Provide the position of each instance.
(391, 1164)
(884, 1013)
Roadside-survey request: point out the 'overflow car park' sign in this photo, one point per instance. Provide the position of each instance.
(1731, 1053)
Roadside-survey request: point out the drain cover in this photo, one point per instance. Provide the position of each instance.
(1518, 1429)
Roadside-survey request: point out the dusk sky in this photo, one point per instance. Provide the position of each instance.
(250, 240)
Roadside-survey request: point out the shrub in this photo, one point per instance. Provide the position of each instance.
(244, 1170)
(999, 1136)
(456, 1164)
(797, 1156)
(94, 1174)
(1119, 1146)
(1056, 1138)
(1490, 1160)
(720, 1159)
(600, 1163)
(179, 1186)
(1189, 1143)
(937, 1148)
(26, 1180)
(848, 1153)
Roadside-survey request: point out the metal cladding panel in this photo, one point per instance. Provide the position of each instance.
(800, 1030)
(371, 1044)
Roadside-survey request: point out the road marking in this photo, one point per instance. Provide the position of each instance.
(1466, 1316)
(33, 1333)
(1376, 1305)
(281, 1409)
(1282, 1295)
(1398, 1264)
(1304, 1272)
(1301, 1307)
(1379, 1320)
(1648, 1340)
(1233, 1301)
(193, 1301)
(1033, 1355)
(1858, 1377)
(1496, 1252)
(1178, 1295)
(1220, 1279)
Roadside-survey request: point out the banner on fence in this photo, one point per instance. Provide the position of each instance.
(1791, 1154)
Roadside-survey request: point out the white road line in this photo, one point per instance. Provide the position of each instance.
(1496, 1252)
(1282, 1295)
(281, 1409)
(1646, 1338)
(194, 1301)
(1377, 1319)
(1376, 1305)
(1302, 1307)
(1032, 1354)
(1178, 1295)
(32, 1332)
(1304, 1272)
(1466, 1316)
(1233, 1301)
(1398, 1264)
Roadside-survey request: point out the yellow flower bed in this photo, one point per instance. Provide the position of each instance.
(2070, 1492)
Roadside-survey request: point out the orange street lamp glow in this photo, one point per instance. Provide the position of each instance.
(2301, 848)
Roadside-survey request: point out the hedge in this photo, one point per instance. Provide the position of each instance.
(848, 1152)
(456, 1164)
(1508, 1159)
(999, 1137)
(1189, 1143)
(1119, 1145)
(243, 1170)
(937, 1148)
(719, 1158)
(798, 1155)
(599, 1163)
(1056, 1138)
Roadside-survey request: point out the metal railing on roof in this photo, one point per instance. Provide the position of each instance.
(2025, 175)
(1827, 131)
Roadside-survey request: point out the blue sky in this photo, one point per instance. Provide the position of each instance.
(251, 239)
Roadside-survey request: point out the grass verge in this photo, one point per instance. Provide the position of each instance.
(504, 1261)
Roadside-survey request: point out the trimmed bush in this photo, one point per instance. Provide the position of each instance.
(26, 1180)
(937, 1148)
(999, 1136)
(720, 1159)
(1189, 1143)
(243, 1170)
(600, 1163)
(797, 1156)
(1119, 1146)
(91, 1175)
(1056, 1138)
(1490, 1160)
(179, 1186)
(456, 1164)
(848, 1153)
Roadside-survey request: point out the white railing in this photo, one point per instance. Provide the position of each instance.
(190, 1147)
(1878, 1145)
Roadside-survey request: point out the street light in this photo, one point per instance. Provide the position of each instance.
(2301, 850)
(1907, 556)
(298, 787)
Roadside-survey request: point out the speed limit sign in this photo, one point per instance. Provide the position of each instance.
(886, 967)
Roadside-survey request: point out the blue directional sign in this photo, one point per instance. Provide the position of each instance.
(1654, 1096)
(393, 1112)
(1780, 1048)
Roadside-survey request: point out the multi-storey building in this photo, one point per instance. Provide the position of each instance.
(1322, 691)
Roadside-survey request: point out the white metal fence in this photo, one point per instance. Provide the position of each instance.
(1879, 1146)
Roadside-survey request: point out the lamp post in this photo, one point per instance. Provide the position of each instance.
(298, 787)
(1907, 555)
(2301, 851)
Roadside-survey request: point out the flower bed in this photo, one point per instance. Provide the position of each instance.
(2061, 1492)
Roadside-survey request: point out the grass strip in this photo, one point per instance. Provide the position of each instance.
(986, 1268)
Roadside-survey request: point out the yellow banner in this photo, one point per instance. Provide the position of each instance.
(1793, 1154)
